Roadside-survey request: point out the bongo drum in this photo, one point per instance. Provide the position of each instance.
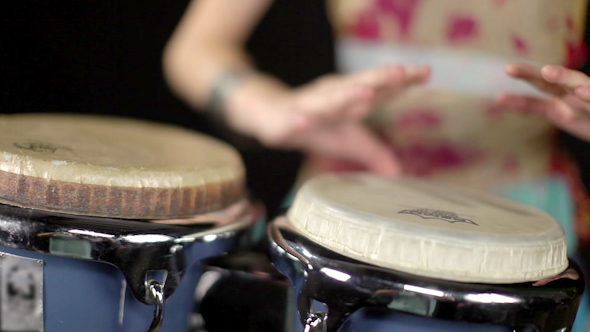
(103, 221)
(365, 253)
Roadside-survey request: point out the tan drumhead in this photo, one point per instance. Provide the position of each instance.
(430, 230)
(106, 166)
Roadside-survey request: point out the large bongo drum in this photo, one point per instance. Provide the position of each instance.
(103, 221)
(365, 253)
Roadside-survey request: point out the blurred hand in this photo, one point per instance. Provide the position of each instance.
(323, 117)
(568, 107)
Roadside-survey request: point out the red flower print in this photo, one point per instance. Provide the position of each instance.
(575, 47)
(569, 23)
(423, 160)
(462, 28)
(510, 164)
(367, 26)
(576, 54)
(418, 118)
(520, 45)
(499, 3)
(402, 10)
(493, 111)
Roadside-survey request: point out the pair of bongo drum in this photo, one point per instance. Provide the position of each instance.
(105, 224)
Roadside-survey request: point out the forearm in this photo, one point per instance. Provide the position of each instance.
(193, 72)
(207, 44)
(191, 69)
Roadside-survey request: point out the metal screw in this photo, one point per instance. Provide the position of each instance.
(1, 255)
(40, 262)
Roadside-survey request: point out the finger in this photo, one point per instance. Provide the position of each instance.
(319, 106)
(418, 74)
(532, 74)
(553, 108)
(524, 71)
(391, 76)
(358, 110)
(583, 92)
(357, 144)
(567, 78)
(378, 76)
(359, 102)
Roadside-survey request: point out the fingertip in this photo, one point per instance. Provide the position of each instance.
(397, 73)
(556, 115)
(562, 114)
(512, 69)
(387, 165)
(422, 72)
(501, 97)
(583, 92)
(391, 171)
(551, 73)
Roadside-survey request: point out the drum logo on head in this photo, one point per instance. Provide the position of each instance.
(40, 147)
(450, 217)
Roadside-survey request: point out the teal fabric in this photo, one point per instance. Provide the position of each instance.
(551, 195)
(582, 324)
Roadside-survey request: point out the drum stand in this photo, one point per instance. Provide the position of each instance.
(346, 285)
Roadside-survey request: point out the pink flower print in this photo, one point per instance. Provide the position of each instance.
(419, 118)
(520, 44)
(462, 28)
(423, 160)
(499, 3)
(552, 23)
(402, 10)
(367, 26)
(493, 111)
(569, 23)
(510, 164)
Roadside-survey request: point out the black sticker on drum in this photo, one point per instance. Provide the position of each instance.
(450, 217)
(40, 147)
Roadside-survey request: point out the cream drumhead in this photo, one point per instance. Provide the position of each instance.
(105, 166)
(429, 230)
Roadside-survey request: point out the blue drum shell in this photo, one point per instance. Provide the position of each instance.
(81, 295)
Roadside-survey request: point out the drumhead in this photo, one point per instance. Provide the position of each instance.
(428, 229)
(106, 166)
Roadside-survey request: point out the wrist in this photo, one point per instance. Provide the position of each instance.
(250, 105)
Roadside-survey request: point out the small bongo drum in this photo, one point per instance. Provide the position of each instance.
(103, 221)
(365, 253)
